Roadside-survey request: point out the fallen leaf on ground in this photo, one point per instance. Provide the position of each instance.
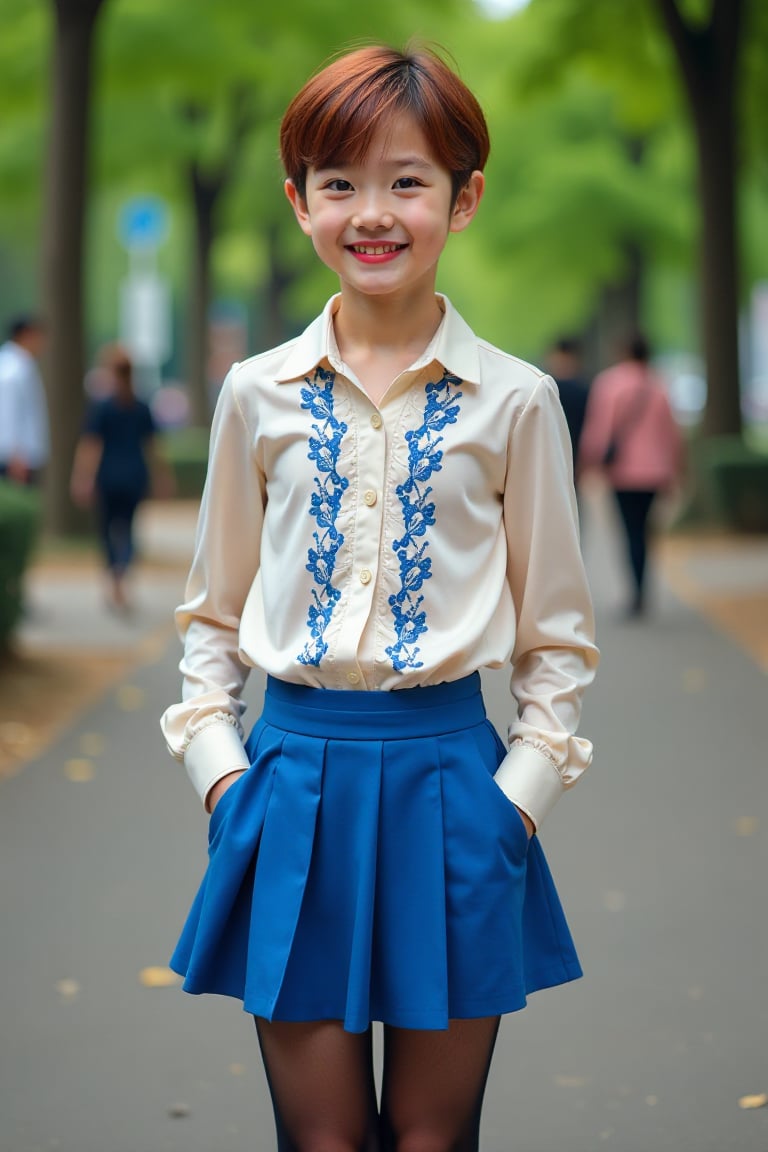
(758, 1101)
(67, 989)
(130, 698)
(571, 1081)
(156, 977)
(79, 771)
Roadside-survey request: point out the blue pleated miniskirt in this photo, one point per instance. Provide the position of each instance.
(368, 867)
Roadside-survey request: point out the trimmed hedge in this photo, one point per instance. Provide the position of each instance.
(737, 481)
(186, 450)
(20, 516)
(727, 485)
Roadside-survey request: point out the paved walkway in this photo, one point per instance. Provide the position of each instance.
(661, 855)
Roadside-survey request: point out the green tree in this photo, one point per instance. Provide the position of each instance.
(66, 191)
(210, 96)
(680, 56)
(582, 193)
(708, 49)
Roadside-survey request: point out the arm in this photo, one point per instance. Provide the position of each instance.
(204, 729)
(554, 657)
(163, 485)
(12, 421)
(84, 468)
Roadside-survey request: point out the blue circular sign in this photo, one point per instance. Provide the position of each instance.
(143, 222)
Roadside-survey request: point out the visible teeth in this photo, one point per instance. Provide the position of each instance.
(377, 250)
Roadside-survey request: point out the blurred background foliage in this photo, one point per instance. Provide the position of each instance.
(592, 217)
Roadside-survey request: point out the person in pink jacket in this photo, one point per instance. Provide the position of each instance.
(630, 433)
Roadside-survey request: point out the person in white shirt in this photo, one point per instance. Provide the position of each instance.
(24, 430)
(389, 508)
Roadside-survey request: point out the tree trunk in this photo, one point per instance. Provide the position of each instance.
(708, 56)
(63, 245)
(719, 262)
(273, 324)
(207, 185)
(205, 193)
(618, 315)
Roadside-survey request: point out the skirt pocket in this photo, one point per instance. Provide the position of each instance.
(491, 752)
(222, 806)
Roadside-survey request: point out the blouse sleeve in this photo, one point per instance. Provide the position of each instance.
(554, 657)
(204, 730)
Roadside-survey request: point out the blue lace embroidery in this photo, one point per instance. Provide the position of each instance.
(324, 449)
(424, 457)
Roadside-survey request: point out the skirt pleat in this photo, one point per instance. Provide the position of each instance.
(368, 867)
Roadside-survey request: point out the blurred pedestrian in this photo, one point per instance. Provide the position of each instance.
(24, 430)
(630, 434)
(389, 507)
(116, 462)
(564, 364)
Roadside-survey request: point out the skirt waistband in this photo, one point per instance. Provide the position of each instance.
(406, 712)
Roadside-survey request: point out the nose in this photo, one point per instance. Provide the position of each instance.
(372, 214)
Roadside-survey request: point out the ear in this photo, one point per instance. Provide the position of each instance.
(467, 202)
(299, 205)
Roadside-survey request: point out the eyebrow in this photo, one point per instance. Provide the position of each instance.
(410, 162)
(414, 161)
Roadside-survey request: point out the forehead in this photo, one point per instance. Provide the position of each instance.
(394, 140)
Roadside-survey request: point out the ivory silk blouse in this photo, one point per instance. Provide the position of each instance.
(348, 546)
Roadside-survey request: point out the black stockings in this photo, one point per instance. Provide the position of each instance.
(433, 1085)
(322, 1085)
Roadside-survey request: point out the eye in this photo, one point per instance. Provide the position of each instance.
(407, 182)
(338, 185)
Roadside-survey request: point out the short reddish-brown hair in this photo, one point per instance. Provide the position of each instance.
(335, 115)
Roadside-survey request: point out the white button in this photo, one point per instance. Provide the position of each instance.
(376, 420)
(370, 497)
(353, 677)
(365, 576)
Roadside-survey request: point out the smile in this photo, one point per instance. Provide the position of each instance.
(376, 249)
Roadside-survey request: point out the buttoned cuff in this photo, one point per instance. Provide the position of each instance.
(530, 780)
(214, 752)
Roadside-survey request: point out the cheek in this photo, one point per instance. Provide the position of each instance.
(325, 226)
(431, 226)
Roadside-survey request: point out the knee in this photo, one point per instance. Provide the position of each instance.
(427, 1140)
(328, 1142)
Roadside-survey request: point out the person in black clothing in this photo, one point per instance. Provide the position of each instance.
(564, 365)
(114, 465)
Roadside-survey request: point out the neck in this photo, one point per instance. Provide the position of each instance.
(380, 327)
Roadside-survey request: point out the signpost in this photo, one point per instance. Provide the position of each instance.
(145, 312)
(143, 223)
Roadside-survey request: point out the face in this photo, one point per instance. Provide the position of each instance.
(33, 339)
(381, 223)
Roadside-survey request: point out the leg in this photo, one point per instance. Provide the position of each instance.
(105, 518)
(120, 509)
(321, 1082)
(634, 508)
(433, 1086)
(123, 511)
